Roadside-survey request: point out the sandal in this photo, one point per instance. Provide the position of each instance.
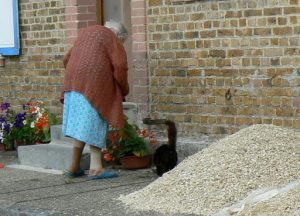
(103, 175)
(79, 173)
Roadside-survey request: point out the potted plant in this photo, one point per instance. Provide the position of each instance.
(42, 121)
(31, 125)
(27, 127)
(6, 117)
(130, 145)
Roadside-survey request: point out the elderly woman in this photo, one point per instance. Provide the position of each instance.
(95, 84)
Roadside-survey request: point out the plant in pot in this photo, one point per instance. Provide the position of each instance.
(32, 125)
(6, 119)
(131, 146)
(29, 126)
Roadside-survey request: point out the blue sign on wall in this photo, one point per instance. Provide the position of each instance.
(9, 27)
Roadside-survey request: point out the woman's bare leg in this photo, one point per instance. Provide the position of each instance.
(96, 163)
(76, 156)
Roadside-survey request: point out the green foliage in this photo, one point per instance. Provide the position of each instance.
(128, 141)
(29, 126)
(53, 119)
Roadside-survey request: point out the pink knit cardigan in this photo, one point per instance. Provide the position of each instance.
(96, 66)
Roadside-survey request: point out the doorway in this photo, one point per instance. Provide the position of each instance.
(119, 11)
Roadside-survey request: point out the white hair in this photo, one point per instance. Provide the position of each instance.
(118, 28)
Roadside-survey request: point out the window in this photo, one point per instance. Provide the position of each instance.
(9, 27)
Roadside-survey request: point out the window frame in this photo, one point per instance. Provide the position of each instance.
(15, 49)
(100, 12)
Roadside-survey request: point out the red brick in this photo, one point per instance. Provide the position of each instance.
(138, 20)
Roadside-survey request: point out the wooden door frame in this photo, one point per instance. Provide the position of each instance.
(100, 12)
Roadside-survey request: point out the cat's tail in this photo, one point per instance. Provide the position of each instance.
(172, 131)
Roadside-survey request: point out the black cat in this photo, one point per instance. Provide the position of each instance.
(165, 156)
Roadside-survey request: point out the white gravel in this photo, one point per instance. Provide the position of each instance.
(224, 173)
(285, 204)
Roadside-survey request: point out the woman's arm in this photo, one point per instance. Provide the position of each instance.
(120, 66)
(67, 57)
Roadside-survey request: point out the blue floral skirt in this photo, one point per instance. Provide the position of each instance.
(82, 122)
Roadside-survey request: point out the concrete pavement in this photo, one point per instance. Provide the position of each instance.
(31, 193)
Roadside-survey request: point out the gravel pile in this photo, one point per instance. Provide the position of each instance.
(224, 173)
(283, 204)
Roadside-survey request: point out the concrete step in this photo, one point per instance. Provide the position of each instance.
(56, 134)
(55, 155)
(131, 111)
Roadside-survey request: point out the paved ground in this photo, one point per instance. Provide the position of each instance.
(33, 193)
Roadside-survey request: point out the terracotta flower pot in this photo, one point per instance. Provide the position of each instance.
(2, 148)
(135, 162)
(21, 143)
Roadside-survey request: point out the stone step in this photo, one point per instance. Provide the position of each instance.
(56, 134)
(131, 111)
(55, 155)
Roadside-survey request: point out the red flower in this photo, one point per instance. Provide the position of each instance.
(33, 110)
(153, 139)
(42, 122)
(112, 137)
(107, 157)
(144, 132)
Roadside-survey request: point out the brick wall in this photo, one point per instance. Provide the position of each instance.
(217, 66)
(47, 30)
(214, 66)
(79, 14)
(37, 73)
(140, 86)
